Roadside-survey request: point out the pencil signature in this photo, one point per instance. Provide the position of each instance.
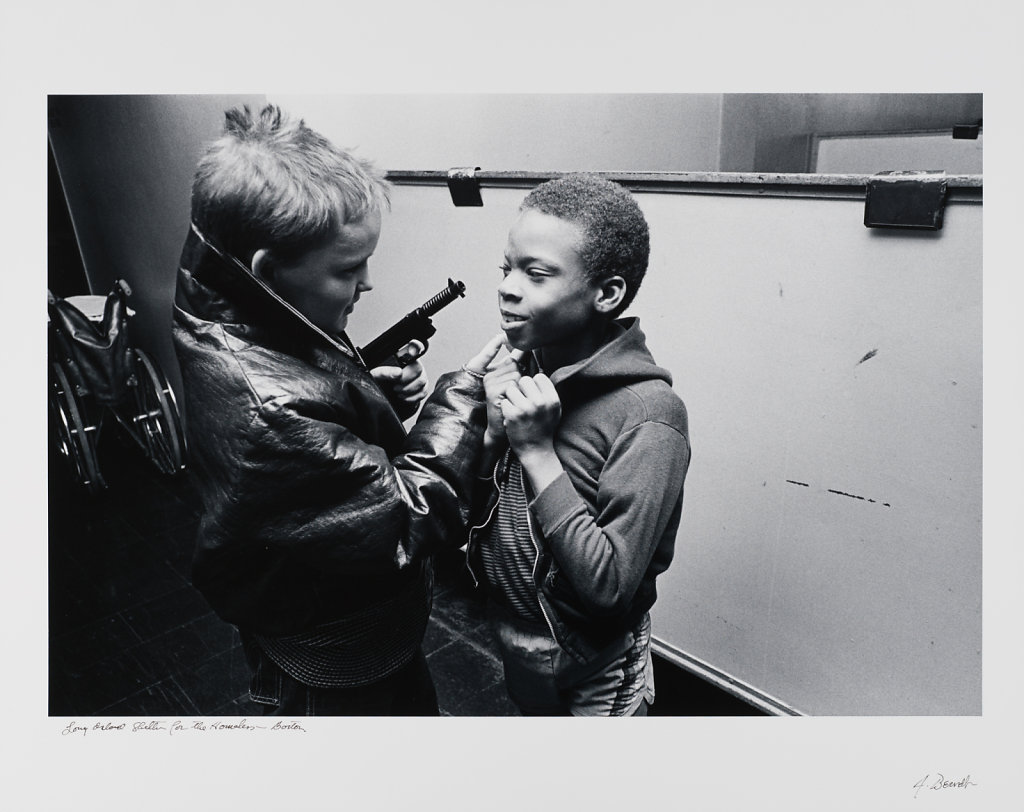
(941, 782)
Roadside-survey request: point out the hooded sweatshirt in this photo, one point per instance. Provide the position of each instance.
(605, 528)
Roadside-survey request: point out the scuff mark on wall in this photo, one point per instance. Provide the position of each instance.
(868, 357)
(841, 493)
(854, 496)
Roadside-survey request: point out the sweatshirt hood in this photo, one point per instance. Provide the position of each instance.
(623, 360)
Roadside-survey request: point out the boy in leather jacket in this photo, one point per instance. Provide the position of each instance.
(586, 452)
(319, 510)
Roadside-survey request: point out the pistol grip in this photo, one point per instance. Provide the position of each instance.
(408, 354)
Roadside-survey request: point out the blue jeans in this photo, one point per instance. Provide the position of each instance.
(409, 691)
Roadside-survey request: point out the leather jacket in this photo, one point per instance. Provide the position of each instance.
(316, 502)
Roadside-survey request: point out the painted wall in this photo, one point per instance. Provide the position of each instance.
(731, 132)
(868, 154)
(773, 132)
(126, 165)
(538, 132)
(830, 548)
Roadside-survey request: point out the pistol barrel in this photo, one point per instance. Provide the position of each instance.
(413, 326)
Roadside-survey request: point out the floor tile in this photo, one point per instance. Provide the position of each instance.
(490, 701)
(179, 650)
(170, 610)
(216, 635)
(86, 690)
(95, 641)
(134, 581)
(164, 698)
(458, 610)
(461, 673)
(239, 706)
(218, 681)
(436, 636)
(74, 604)
(175, 545)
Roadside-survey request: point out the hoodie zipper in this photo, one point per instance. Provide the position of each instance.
(536, 561)
(529, 524)
(487, 521)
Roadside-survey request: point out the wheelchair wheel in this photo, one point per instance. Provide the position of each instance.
(157, 420)
(74, 444)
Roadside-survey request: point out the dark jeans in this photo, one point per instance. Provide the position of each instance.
(407, 692)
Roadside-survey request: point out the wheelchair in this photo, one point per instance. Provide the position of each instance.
(95, 374)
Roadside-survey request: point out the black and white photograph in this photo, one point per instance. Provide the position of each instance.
(823, 354)
(390, 425)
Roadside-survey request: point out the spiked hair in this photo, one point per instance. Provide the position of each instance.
(271, 182)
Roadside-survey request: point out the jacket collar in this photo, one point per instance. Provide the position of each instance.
(229, 292)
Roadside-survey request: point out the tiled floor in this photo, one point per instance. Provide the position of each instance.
(129, 636)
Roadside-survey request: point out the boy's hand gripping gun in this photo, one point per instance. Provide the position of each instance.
(413, 327)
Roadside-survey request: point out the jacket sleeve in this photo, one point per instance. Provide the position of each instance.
(605, 557)
(310, 490)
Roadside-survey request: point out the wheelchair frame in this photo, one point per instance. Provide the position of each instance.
(148, 412)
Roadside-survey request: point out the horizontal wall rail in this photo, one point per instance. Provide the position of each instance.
(962, 188)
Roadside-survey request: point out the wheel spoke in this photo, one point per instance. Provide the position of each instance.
(76, 444)
(158, 416)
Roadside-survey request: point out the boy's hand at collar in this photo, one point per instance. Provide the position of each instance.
(501, 374)
(532, 411)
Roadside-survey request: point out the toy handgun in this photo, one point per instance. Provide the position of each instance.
(414, 326)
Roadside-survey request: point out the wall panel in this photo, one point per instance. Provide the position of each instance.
(830, 549)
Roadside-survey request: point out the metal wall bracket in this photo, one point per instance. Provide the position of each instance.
(464, 186)
(914, 199)
(967, 131)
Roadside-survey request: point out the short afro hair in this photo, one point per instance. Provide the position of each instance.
(616, 240)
